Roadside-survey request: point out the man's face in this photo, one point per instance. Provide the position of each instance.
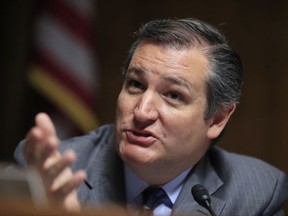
(160, 111)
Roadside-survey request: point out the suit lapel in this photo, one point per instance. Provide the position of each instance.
(106, 176)
(203, 173)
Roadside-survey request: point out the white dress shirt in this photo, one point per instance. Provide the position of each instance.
(135, 186)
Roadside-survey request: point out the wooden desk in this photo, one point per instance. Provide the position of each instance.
(26, 208)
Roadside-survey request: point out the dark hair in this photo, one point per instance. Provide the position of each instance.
(225, 76)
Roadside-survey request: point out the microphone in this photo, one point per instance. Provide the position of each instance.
(202, 197)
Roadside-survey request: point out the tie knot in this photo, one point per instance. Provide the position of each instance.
(154, 196)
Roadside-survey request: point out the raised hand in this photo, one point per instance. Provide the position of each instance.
(41, 152)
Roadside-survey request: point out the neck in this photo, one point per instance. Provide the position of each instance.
(153, 176)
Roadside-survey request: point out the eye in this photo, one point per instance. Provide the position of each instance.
(174, 96)
(134, 85)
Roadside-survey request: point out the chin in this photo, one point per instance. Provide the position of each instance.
(135, 155)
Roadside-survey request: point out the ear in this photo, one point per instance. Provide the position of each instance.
(219, 120)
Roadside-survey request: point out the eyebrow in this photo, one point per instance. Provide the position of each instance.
(173, 79)
(178, 81)
(135, 70)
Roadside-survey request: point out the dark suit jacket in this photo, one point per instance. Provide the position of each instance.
(239, 185)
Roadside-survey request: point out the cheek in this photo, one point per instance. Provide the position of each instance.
(124, 110)
(185, 132)
(124, 106)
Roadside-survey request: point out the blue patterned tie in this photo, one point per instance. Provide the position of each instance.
(154, 196)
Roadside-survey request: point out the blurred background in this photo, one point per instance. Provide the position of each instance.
(64, 57)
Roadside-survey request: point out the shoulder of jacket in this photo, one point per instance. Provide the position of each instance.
(102, 134)
(234, 164)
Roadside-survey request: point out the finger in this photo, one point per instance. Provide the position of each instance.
(51, 171)
(70, 186)
(49, 150)
(41, 140)
(39, 147)
(43, 121)
(32, 147)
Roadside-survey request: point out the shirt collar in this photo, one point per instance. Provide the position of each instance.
(135, 186)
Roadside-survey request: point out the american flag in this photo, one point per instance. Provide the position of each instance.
(64, 66)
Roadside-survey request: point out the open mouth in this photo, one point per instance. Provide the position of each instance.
(140, 138)
(141, 134)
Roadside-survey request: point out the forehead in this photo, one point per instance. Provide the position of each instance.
(189, 64)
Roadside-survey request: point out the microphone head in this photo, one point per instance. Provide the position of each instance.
(201, 195)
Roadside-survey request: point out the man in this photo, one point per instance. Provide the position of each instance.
(182, 84)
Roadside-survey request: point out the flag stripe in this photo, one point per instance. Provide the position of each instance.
(84, 7)
(68, 51)
(48, 63)
(81, 114)
(69, 16)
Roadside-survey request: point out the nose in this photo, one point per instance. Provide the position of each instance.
(146, 109)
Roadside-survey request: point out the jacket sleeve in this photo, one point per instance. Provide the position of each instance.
(278, 198)
(18, 154)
